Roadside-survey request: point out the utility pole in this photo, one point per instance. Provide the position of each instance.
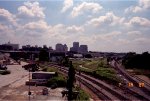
(70, 81)
(29, 92)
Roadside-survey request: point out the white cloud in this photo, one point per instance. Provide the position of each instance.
(134, 33)
(85, 6)
(40, 25)
(109, 36)
(74, 29)
(141, 40)
(67, 4)
(133, 9)
(138, 21)
(142, 5)
(31, 10)
(6, 17)
(109, 19)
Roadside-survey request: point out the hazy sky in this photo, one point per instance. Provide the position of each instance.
(104, 25)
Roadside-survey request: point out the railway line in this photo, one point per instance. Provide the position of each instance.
(143, 92)
(89, 85)
(104, 91)
(141, 80)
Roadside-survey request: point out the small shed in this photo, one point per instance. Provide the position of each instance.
(43, 75)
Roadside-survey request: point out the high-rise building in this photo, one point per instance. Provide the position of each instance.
(83, 49)
(61, 48)
(75, 47)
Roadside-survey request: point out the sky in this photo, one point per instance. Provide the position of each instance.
(104, 25)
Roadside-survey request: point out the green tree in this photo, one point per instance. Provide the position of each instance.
(65, 61)
(70, 81)
(43, 55)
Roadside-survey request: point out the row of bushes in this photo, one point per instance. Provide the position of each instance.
(4, 72)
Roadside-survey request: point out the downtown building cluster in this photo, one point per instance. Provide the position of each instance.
(59, 47)
(76, 48)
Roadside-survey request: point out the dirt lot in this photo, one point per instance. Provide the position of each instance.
(13, 88)
(20, 93)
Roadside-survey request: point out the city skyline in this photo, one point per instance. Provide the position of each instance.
(108, 26)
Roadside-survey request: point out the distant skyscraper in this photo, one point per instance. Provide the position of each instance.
(61, 48)
(76, 44)
(83, 49)
(75, 47)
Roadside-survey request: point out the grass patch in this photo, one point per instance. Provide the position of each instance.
(49, 69)
(58, 81)
(107, 74)
(97, 68)
(82, 96)
(90, 63)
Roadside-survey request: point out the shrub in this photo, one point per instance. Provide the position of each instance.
(49, 69)
(59, 81)
(5, 72)
(82, 96)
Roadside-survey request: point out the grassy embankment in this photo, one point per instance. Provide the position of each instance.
(97, 68)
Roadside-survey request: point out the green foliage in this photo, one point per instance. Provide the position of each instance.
(59, 81)
(71, 80)
(49, 69)
(107, 74)
(43, 55)
(4, 72)
(71, 76)
(90, 63)
(98, 68)
(65, 61)
(139, 61)
(82, 96)
(103, 63)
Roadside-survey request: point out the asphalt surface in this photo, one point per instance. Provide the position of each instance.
(17, 73)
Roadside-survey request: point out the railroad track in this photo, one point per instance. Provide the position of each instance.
(97, 87)
(146, 83)
(146, 92)
(90, 86)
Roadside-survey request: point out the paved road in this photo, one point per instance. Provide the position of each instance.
(17, 73)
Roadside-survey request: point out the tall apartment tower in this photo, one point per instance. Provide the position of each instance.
(75, 47)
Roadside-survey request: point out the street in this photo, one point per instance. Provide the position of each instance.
(17, 73)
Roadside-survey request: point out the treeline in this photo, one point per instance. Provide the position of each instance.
(140, 61)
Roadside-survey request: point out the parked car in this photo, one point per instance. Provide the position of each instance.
(32, 67)
(3, 67)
